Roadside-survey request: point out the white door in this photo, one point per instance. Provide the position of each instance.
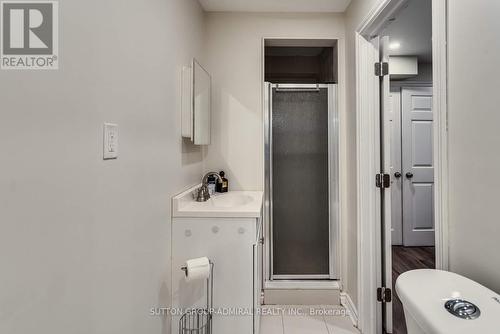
(385, 195)
(418, 167)
(394, 115)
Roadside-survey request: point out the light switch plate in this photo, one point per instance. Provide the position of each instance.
(110, 147)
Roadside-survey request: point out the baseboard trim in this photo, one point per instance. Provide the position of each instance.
(346, 301)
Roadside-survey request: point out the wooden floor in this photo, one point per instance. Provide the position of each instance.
(404, 259)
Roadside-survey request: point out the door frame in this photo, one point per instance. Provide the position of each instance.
(368, 200)
(340, 106)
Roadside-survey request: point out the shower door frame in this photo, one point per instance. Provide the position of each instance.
(333, 179)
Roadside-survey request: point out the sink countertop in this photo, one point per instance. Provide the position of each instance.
(233, 204)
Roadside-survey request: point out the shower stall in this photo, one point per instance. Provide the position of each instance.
(301, 182)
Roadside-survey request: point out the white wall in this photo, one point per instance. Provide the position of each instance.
(85, 243)
(424, 75)
(474, 139)
(235, 62)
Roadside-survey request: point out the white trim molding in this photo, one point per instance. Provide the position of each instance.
(346, 301)
(368, 206)
(440, 98)
(377, 19)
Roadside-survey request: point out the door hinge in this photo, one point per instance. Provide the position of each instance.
(381, 69)
(384, 295)
(383, 180)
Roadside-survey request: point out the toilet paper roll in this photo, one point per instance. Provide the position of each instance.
(197, 269)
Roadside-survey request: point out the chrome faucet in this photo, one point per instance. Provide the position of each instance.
(203, 193)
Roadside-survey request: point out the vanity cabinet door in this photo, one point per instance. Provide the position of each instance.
(229, 243)
(257, 277)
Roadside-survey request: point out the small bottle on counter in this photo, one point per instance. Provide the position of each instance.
(222, 187)
(211, 184)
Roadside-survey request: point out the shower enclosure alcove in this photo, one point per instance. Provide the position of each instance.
(301, 129)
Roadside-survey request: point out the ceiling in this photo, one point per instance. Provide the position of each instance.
(412, 29)
(288, 6)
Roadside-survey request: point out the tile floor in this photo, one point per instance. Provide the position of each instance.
(306, 320)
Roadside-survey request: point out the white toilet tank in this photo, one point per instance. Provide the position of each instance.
(425, 292)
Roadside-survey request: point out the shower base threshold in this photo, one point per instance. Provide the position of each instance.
(303, 284)
(302, 292)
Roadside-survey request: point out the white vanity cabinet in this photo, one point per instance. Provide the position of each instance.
(233, 245)
(228, 230)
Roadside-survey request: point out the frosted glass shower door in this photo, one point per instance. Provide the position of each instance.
(301, 130)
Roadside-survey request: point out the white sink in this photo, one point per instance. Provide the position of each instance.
(230, 199)
(230, 204)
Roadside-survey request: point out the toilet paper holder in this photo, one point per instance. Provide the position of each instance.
(199, 320)
(185, 269)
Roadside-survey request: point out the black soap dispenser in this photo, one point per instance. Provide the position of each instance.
(222, 187)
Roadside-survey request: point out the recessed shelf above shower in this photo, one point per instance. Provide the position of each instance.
(299, 61)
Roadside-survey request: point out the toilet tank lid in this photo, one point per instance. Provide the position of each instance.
(424, 292)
